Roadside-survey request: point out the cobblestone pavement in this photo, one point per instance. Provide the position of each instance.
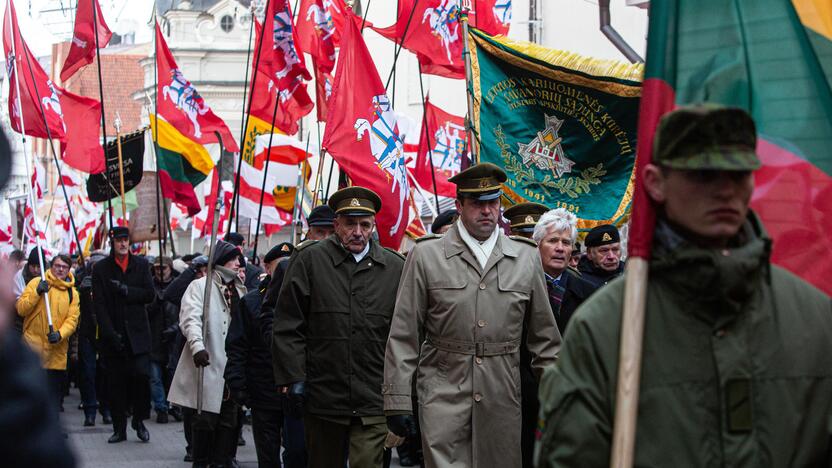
(165, 449)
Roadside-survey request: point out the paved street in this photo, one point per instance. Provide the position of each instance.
(165, 449)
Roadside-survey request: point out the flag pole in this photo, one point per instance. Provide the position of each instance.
(295, 216)
(32, 200)
(319, 175)
(466, 52)
(243, 120)
(117, 124)
(50, 143)
(156, 136)
(236, 195)
(302, 189)
(265, 174)
(427, 138)
(399, 46)
(103, 114)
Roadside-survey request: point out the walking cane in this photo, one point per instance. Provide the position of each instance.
(200, 377)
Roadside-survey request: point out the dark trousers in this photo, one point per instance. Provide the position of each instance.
(56, 379)
(214, 436)
(91, 379)
(266, 425)
(294, 443)
(330, 443)
(127, 379)
(529, 412)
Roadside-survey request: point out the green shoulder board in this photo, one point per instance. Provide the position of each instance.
(398, 254)
(429, 236)
(523, 239)
(305, 244)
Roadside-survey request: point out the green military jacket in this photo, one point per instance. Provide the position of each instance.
(331, 323)
(736, 368)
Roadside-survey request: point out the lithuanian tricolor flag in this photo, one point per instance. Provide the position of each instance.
(774, 59)
(183, 164)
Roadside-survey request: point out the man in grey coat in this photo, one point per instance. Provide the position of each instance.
(467, 302)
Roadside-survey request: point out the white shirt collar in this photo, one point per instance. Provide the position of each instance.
(481, 250)
(360, 255)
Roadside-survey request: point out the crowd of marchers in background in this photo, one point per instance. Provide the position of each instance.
(476, 348)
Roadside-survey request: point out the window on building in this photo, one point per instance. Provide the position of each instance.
(227, 23)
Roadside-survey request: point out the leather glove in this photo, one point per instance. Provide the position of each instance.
(201, 359)
(86, 283)
(401, 425)
(117, 342)
(296, 399)
(120, 287)
(54, 337)
(43, 286)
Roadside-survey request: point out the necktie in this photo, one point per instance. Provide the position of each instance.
(555, 295)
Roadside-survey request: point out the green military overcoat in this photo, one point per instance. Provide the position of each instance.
(459, 328)
(331, 323)
(736, 368)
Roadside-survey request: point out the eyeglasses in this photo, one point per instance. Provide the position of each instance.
(60, 267)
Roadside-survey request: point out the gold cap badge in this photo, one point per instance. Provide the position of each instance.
(285, 248)
(606, 237)
(529, 219)
(354, 202)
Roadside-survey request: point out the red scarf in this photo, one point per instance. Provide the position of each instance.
(122, 263)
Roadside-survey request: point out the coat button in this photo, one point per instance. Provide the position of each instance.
(478, 360)
(719, 333)
(482, 286)
(369, 264)
(481, 323)
(477, 397)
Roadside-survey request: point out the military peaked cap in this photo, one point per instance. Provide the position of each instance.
(119, 232)
(523, 217)
(480, 182)
(355, 201)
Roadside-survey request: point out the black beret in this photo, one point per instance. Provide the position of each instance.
(321, 216)
(602, 235)
(445, 218)
(284, 249)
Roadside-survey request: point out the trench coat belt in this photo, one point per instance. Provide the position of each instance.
(478, 349)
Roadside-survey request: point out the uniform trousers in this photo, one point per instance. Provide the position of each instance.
(328, 443)
(127, 379)
(266, 425)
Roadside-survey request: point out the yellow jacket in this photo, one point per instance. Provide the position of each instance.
(65, 316)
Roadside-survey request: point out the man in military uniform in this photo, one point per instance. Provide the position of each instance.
(464, 301)
(330, 328)
(522, 218)
(735, 370)
(602, 262)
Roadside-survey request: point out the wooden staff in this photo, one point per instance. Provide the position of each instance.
(117, 124)
(469, 92)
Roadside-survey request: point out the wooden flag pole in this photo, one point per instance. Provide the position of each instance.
(427, 139)
(117, 124)
(629, 363)
(101, 96)
(466, 53)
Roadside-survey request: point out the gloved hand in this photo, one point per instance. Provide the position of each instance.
(120, 287)
(201, 359)
(43, 286)
(295, 400)
(86, 283)
(401, 425)
(240, 397)
(117, 342)
(54, 337)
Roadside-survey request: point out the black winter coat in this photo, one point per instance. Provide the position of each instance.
(83, 283)
(598, 277)
(164, 324)
(122, 321)
(248, 370)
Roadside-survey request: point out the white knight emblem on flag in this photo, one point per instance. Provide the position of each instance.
(285, 41)
(388, 149)
(186, 98)
(53, 102)
(449, 145)
(444, 23)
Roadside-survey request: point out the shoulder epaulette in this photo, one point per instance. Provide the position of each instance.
(305, 244)
(428, 237)
(398, 254)
(524, 239)
(574, 271)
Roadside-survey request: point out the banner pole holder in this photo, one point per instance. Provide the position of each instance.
(466, 52)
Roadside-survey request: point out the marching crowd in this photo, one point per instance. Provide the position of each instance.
(476, 349)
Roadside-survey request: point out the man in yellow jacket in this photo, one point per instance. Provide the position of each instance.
(64, 306)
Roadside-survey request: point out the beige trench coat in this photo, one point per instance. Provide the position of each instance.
(208, 334)
(459, 328)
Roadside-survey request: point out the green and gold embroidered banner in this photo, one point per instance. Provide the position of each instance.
(561, 125)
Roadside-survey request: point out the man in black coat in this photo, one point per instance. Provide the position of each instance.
(164, 324)
(248, 371)
(602, 262)
(121, 288)
(92, 379)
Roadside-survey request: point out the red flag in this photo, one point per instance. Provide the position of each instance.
(363, 136)
(36, 89)
(319, 26)
(82, 51)
(492, 17)
(446, 133)
(323, 90)
(285, 67)
(434, 33)
(82, 149)
(179, 103)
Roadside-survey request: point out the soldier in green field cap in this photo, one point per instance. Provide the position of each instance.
(522, 218)
(468, 301)
(735, 369)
